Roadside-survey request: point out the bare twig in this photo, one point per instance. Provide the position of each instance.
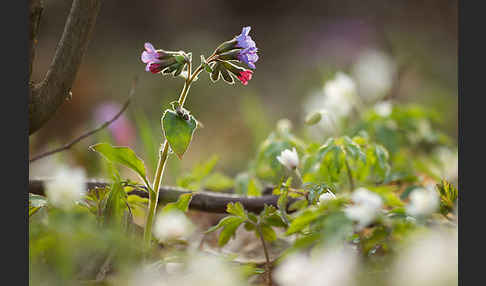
(201, 200)
(91, 132)
(46, 97)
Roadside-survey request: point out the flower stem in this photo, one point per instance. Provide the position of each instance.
(163, 154)
(350, 175)
(297, 172)
(154, 193)
(268, 275)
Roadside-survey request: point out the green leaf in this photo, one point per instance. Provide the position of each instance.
(298, 205)
(122, 155)
(226, 75)
(115, 203)
(302, 221)
(254, 188)
(216, 72)
(181, 204)
(37, 201)
(218, 182)
(224, 221)
(178, 131)
(268, 233)
(448, 196)
(229, 230)
(249, 226)
(236, 209)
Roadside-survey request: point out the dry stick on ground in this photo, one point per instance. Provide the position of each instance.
(47, 96)
(91, 132)
(205, 201)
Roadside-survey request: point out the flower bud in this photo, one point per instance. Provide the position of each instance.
(313, 118)
(242, 74)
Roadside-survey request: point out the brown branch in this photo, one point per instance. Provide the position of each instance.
(91, 132)
(35, 14)
(202, 200)
(46, 97)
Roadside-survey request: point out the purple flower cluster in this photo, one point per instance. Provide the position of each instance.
(248, 52)
(151, 56)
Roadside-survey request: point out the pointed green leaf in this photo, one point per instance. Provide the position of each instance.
(122, 155)
(181, 204)
(229, 230)
(236, 209)
(178, 131)
(268, 233)
(224, 221)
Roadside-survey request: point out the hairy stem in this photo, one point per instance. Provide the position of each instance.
(164, 152)
(154, 195)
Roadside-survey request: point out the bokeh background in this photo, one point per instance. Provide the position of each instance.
(300, 43)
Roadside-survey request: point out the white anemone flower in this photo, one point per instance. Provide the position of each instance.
(326, 196)
(173, 225)
(331, 266)
(67, 187)
(289, 159)
(423, 202)
(374, 72)
(383, 108)
(293, 271)
(367, 206)
(430, 260)
(208, 270)
(339, 95)
(449, 162)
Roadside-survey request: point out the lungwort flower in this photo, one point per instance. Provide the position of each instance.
(248, 56)
(158, 60)
(241, 48)
(243, 40)
(289, 159)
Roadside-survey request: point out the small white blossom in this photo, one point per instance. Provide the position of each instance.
(423, 202)
(67, 187)
(335, 266)
(331, 266)
(289, 159)
(430, 260)
(374, 72)
(367, 206)
(449, 162)
(173, 225)
(326, 196)
(383, 108)
(208, 270)
(339, 95)
(293, 271)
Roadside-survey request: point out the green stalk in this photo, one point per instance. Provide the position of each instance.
(163, 154)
